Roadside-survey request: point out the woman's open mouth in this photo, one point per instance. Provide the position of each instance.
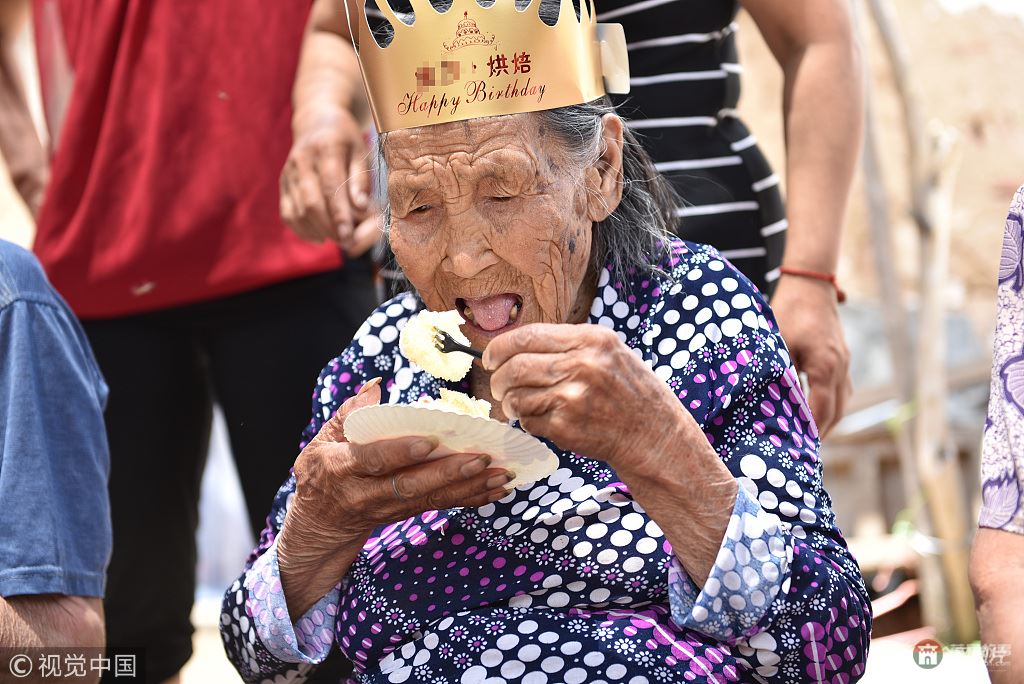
(491, 314)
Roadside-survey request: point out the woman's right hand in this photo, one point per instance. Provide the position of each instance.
(343, 491)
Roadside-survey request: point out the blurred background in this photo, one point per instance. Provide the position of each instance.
(944, 154)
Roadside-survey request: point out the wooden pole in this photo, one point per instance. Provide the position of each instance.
(932, 160)
(937, 461)
(894, 313)
(934, 609)
(913, 119)
(894, 310)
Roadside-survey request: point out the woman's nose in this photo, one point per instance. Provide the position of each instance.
(469, 252)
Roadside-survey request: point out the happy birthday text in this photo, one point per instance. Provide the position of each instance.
(476, 91)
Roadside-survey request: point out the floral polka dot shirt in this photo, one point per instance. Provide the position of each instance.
(568, 579)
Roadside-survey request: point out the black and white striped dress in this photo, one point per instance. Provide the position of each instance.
(684, 87)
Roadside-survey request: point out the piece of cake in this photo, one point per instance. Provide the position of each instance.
(457, 402)
(417, 344)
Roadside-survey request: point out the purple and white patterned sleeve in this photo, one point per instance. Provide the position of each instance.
(1002, 454)
(241, 628)
(308, 639)
(747, 576)
(260, 638)
(784, 590)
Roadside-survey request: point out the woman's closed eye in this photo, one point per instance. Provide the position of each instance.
(503, 200)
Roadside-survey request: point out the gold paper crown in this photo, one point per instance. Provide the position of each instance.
(472, 61)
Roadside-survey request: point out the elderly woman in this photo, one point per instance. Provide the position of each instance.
(686, 535)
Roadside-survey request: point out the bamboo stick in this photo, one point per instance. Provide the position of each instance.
(932, 160)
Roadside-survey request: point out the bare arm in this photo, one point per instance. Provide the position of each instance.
(996, 577)
(12, 16)
(328, 76)
(814, 43)
(19, 143)
(325, 184)
(51, 620)
(690, 493)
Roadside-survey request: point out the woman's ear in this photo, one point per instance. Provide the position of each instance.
(604, 179)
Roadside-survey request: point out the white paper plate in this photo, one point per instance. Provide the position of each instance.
(523, 454)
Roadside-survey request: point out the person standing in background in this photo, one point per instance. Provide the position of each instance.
(684, 89)
(160, 226)
(685, 85)
(997, 558)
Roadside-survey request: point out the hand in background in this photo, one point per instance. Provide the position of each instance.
(325, 185)
(808, 316)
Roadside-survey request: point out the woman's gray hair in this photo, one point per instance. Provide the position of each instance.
(636, 235)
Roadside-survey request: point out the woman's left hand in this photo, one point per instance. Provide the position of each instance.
(581, 387)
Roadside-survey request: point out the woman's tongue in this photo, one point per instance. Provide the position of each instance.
(491, 313)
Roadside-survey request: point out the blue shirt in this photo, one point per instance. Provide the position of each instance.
(55, 531)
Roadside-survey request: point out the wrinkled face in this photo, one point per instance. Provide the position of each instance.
(489, 217)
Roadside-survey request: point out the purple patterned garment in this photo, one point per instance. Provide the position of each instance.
(1002, 454)
(568, 579)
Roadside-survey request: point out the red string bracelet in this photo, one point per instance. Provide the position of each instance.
(829, 278)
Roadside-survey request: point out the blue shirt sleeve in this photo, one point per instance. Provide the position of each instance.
(54, 461)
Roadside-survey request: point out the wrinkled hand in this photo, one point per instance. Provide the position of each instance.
(343, 491)
(808, 318)
(581, 387)
(348, 486)
(325, 185)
